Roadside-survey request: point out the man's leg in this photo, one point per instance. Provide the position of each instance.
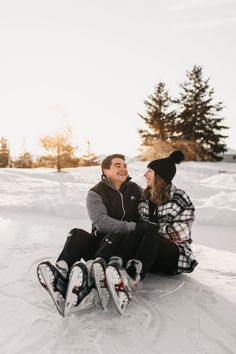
(79, 244)
(108, 246)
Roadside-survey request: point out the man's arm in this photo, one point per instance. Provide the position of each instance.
(101, 220)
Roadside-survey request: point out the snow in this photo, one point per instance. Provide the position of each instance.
(188, 313)
(230, 151)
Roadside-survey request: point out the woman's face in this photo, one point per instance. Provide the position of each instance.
(150, 176)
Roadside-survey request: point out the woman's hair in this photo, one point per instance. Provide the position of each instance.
(159, 193)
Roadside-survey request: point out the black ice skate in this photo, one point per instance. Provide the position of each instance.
(77, 287)
(52, 280)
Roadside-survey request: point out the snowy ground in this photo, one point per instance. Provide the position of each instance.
(193, 313)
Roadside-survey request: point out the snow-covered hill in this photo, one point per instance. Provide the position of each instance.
(192, 313)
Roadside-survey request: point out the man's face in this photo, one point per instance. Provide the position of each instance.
(118, 171)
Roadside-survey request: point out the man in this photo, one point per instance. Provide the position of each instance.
(113, 209)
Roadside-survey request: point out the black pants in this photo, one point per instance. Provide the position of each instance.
(167, 258)
(79, 244)
(157, 253)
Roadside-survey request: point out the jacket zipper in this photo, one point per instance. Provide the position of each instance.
(121, 197)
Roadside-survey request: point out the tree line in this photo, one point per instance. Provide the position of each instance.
(60, 153)
(189, 122)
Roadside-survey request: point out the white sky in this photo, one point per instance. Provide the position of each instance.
(92, 63)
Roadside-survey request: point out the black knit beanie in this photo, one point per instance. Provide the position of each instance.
(165, 168)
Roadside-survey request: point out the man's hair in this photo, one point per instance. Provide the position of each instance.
(106, 163)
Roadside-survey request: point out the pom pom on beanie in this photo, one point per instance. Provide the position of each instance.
(177, 156)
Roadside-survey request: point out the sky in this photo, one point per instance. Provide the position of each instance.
(91, 64)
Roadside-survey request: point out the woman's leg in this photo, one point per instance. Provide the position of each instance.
(167, 257)
(128, 246)
(148, 250)
(141, 246)
(157, 254)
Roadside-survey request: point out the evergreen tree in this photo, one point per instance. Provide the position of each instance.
(160, 120)
(62, 150)
(198, 124)
(4, 153)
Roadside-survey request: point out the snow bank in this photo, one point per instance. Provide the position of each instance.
(190, 314)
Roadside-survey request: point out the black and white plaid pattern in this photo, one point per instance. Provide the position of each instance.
(175, 219)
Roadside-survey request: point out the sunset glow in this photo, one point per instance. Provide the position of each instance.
(90, 65)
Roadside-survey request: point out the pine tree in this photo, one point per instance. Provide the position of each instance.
(198, 124)
(160, 120)
(4, 153)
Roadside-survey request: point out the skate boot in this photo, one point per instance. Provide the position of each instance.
(54, 280)
(99, 276)
(78, 286)
(120, 284)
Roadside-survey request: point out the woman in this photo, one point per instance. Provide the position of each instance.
(172, 210)
(165, 244)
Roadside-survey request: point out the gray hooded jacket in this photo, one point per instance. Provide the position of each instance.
(112, 210)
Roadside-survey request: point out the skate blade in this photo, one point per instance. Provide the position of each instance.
(119, 297)
(46, 274)
(75, 281)
(99, 279)
(40, 278)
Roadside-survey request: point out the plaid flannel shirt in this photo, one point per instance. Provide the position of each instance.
(175, 219)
